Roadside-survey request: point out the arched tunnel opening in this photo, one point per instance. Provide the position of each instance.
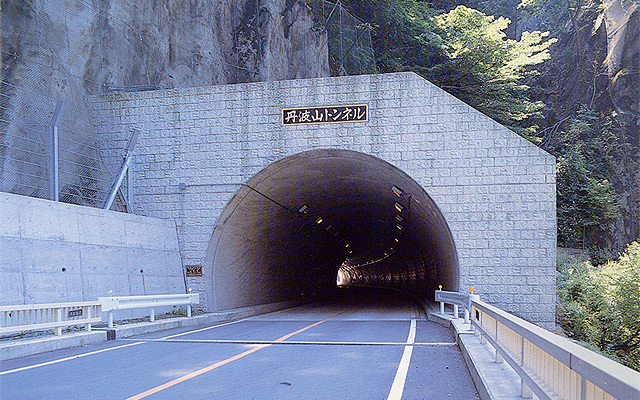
(321, 219)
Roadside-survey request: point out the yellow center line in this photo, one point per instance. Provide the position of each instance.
(228, 360)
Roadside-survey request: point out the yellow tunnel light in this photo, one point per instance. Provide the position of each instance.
(396, 190)
(398, 207)
(319, 221)
(399, 227)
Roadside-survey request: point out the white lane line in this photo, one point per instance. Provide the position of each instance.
(136, 342)
(401, 374)
(67, 358)
(200, 330)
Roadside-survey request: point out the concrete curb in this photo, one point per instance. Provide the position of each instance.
(27, 347)
(494, 381)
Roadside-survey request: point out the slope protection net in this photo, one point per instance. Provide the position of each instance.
(43, 66)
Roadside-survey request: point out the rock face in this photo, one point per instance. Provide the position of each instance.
(119, 45)
(67, 50)
(602, 73)
(624, 90)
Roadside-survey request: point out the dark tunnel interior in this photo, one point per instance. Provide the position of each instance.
(323, 218)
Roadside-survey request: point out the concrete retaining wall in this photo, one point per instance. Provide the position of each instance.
(57, 252)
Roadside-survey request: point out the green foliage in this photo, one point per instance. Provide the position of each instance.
(486, 69)
(601, 305)
(397, 24)
(464, 51)
(587, 201)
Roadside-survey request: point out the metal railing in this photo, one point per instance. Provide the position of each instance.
(457, 300)
(110, 304)
(19, 318)
(549, 365)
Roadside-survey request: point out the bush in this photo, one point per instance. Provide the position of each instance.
(600, 306)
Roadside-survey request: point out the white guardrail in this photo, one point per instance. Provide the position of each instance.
(110, 304)
(549, 365)
(55, 316)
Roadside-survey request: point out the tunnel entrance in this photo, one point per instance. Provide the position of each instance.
(307, 219)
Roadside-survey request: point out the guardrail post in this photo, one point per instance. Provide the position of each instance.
(455, 311)
(110, 325)
(152, 317)
(442, 302)
(87, 312)
(189, 310)
(58, 318)
(525, 390)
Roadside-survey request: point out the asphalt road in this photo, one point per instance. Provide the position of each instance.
(360, 346)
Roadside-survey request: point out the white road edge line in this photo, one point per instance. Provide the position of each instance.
(401, 374)
(28, 367)
(11, 371)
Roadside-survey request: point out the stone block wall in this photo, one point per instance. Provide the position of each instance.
(495, 189)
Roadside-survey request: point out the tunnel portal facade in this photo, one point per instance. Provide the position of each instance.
(278, 188)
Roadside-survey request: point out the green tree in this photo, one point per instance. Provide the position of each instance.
(488, 70)
(600, 306)
(586, 199)
(397, 25)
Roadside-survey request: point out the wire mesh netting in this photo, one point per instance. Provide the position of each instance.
(67, 52)
(349, 40)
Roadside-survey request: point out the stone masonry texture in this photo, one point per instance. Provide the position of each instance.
(495, 189)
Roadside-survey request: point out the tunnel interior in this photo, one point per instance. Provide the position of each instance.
(323, 219)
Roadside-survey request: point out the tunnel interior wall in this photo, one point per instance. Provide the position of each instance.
(495, 190)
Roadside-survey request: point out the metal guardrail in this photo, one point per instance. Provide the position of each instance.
(111, 304)
(457, 300)
(549, 365)
(19, 318)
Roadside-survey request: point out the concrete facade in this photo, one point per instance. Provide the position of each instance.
(495, 189)
(55, 252)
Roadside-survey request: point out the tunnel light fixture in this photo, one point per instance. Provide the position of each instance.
(304, 209)
(319, 220)
(397, 191)
(335, 234)
(399, 227)
(346, 246)
(328, 227)
(396, 240)
(399, 218)
(398, 207)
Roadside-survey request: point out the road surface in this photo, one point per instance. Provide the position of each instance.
(360, 346)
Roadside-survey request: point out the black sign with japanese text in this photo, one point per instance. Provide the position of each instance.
(74, 313)
(324, 115)
(193, 271)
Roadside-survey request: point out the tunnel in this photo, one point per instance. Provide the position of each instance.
(317, 221)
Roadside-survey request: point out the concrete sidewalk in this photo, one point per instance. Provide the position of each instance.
(495, 381)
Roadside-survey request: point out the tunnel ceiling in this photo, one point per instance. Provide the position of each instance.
(295, 224)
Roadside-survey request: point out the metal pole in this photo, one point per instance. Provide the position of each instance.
(130, 188)
(123, 169)
(53, 154)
